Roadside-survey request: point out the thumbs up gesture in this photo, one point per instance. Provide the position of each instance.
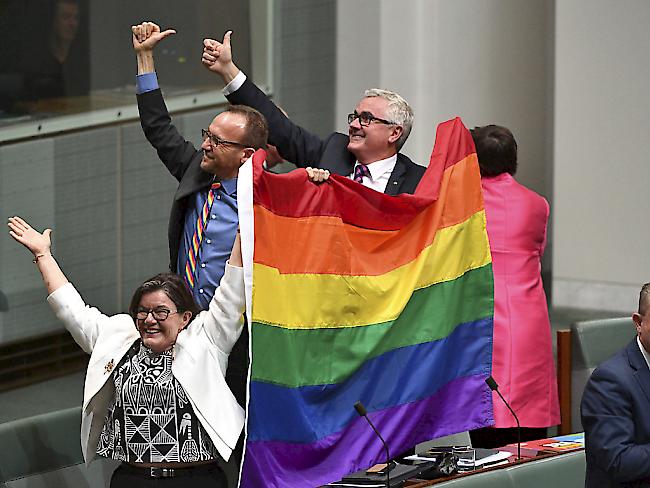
(217, 57)
(147, 35)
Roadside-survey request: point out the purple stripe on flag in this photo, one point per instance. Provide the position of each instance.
(462, 404)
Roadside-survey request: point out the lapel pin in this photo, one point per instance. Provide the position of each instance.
(109, 366)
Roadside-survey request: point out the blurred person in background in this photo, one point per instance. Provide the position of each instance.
(59, 68)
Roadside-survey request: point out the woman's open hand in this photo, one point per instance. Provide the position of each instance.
(36, 242)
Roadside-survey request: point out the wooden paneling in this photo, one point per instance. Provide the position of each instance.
(564, 379)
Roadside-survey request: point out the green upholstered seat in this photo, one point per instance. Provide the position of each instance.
(564, 471)
(44, 451)
(594, 341)
(38, 444)
(490, 479)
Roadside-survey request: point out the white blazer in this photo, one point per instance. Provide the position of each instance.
(200, 359)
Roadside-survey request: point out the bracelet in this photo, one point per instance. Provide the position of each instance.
(39, 256)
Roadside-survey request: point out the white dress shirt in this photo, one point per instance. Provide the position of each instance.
(380, 172)
(235, 84)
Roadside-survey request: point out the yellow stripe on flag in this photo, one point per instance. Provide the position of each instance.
(312, 301)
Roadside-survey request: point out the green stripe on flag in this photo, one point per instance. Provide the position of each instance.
(300, 357)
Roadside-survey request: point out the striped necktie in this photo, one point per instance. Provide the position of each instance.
(197, 238)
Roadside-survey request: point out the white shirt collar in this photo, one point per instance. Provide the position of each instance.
(645, 353)
(380, 168)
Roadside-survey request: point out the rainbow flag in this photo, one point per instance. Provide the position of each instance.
(356, 295)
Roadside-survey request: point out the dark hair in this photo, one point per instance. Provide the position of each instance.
(644, 297)
(257, 130)
(496, 150)
(173, 286)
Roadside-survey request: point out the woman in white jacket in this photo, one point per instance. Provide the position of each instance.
(155, 395)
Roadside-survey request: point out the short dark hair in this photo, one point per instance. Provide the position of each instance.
(257, 130)
(644, 298)
(174, 287)
(496, 150)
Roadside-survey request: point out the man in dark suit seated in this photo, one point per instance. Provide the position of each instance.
(369, 154)
(614, 409)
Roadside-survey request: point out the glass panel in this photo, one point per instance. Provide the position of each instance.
(70, 56)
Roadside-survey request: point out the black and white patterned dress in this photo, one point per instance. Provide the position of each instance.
(150, 419)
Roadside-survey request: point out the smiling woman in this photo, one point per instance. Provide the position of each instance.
(164, 411)
(162, 307)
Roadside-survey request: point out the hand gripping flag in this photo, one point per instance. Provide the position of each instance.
(356, 295)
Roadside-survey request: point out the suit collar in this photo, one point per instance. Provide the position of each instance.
(644, 354)
(105, 358)
(634, 356)
(638, 364)
(193, 180)
(396, 179)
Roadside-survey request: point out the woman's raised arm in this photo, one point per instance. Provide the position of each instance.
(39, 245)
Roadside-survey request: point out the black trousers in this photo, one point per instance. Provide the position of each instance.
(206, 476)
(236, 378)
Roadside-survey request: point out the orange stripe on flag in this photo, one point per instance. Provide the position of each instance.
(339, 248)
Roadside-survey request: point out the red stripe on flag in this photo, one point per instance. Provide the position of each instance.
(354, 203)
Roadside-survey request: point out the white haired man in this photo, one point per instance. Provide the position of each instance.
(369, 154)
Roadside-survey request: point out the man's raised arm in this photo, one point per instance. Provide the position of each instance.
(172, 148)
(296, 144)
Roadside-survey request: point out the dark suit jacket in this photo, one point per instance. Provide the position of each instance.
(303, 148)
(183, 161)
(180, 157)
(615, 412)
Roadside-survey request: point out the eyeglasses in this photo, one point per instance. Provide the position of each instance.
(158, 314)
(216, 142)
(366, 118)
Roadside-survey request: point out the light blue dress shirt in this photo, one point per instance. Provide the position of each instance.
(220, 230)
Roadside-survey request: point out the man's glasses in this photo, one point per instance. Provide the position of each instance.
(366, 118)
(158, 314)
(216, 142)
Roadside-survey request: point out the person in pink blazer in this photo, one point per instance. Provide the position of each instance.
(522, 356)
